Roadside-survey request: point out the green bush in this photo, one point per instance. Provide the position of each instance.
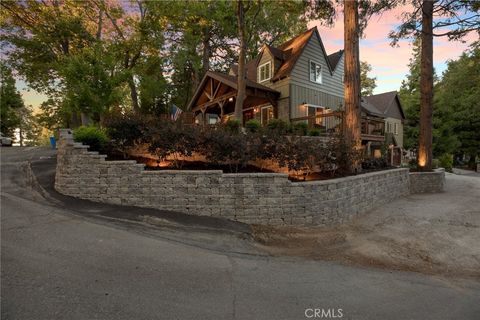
(278, 126)
(168, 138)
(126, 130)
(253, 125)
(222, 146)
(446, 161)
(233, 125)
(93, 136)
(314, 132)
(435, 163)
(300, 128)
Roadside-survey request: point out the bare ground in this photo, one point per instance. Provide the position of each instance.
(428, 233)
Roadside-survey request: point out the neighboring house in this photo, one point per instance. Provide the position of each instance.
(391, 108)
(388, 103)
(296, 81)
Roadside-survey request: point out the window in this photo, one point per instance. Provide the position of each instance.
(315, 72)
(316, 111)
(265, 72)
(212, 119)
(395, 128)
(267, 114)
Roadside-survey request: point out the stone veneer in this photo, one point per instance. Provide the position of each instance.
(262, 198)
(427, 182)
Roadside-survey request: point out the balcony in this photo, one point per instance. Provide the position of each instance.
(372, 128)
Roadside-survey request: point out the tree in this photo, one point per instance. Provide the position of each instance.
(410, 96)
(449, 22)
(29, 129)
(425, 152)
(10, 102)
(352, 79)
(367, 84)
(458, 103)
(242, 73)
(85, 54)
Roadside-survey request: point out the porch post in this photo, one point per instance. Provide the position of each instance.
(203, 117)
(221, 104)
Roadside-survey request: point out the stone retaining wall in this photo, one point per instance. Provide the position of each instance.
(427, 182)
(262, 198)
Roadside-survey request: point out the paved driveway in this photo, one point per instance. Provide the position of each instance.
(57, 264)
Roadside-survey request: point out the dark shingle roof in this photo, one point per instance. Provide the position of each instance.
(370, 108)
(383, 101)
(288, 53)
(334, 58)
(292, 50)
(232, 81)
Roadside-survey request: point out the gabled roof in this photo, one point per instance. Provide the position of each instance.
(384, 102)
(288, 53)
(276, 53)
(227, 79)
(370, 108)
(293, 49)
(334, 58)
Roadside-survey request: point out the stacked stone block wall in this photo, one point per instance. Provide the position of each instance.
(427, 182)
(261, 198)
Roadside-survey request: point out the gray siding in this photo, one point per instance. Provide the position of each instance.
(328, 94)
(393, 110)
(281, 86)
(331, 84)
(300, 95)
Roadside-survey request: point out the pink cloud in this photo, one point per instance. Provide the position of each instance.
(389, 64)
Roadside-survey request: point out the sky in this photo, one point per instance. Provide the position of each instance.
(389, 64)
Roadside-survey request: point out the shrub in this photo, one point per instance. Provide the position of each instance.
(342, 153)
(435, 163)
(253, 125)
(233, 125)
(95, 137)
(314, 132)
(222, 146)
(299, 128)
(126, 130)
(278, 126)
(173, 139)
(374, 164)
(446, 161)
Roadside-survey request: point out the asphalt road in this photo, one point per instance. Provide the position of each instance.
(58, 263)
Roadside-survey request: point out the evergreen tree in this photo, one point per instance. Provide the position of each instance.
(10, 102)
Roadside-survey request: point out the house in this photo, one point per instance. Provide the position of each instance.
(296, 81)
(388, 103)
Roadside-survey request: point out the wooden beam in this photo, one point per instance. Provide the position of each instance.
(215, 101)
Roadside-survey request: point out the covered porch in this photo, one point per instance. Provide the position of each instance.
(214, 100)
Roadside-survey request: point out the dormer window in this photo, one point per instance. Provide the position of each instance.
(265, 72)
(315, 72)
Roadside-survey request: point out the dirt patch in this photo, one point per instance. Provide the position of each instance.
(359, 246)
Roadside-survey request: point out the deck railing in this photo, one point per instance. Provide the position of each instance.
(330, 122)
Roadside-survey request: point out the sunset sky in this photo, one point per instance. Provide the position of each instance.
(389, 64)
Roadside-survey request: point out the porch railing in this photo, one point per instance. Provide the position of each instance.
(326, 123)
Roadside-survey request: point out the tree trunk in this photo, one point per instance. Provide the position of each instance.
(20, 134)
(352, 82)
(206, 52)
(241, 81)
(133, 94)
(426, 89)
